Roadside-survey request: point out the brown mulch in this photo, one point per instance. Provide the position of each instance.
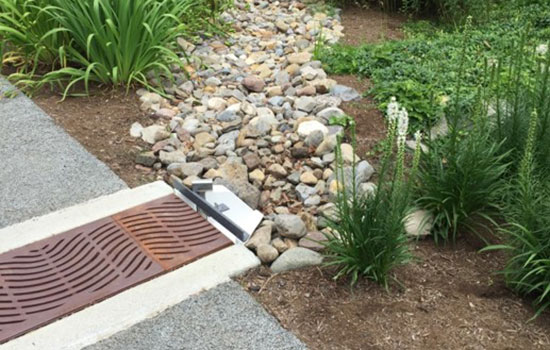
(101, 123)
(449, 298)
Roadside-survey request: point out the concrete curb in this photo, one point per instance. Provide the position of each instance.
(63, 220)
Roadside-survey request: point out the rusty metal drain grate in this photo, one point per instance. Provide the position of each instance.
(46, 280)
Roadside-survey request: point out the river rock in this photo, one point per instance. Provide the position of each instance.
(291, 226)
(296, 258)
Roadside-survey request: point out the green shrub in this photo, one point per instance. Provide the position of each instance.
(368, 235)
(527, 232)
(118, 42)
(450, 10)
(461, 176)
(459, 181)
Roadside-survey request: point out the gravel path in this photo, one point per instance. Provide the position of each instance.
(225, 317)
(43, 168)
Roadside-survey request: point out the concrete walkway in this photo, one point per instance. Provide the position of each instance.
(42, 168)
(225, 318)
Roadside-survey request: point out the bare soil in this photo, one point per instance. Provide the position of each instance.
(365, 25)
(101, 123)
(370, 123)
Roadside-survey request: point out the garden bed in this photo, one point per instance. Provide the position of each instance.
(449, 298)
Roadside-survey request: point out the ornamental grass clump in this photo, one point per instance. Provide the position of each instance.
(459, 182)
(109, 42)
(460, 177)
(521, 86)
(527, 232)
(368, 236)
(118, 42)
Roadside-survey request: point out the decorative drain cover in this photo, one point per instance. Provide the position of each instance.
(51, 278)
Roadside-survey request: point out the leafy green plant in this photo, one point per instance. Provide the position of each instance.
(368, 235)
(459, 182)
(527, 233)
(118, 42)
(31, 32)
(461, 175)
(423, 68)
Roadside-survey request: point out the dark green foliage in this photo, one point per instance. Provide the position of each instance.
(518, 89)
(369, 236)
(422, 69)
(527, 232)
(30, 31)
(459, 183)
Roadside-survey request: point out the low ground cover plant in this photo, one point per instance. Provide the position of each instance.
(105, 41)
(450, 10)
(422, 68)
(368, 236)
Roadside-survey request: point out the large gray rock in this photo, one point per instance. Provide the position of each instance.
(242, 189)
(296, 258)
(291, 226)
(345, 93)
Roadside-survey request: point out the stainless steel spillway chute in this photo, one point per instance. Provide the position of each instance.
(221, 207)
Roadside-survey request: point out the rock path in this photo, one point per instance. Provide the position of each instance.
(254, 115)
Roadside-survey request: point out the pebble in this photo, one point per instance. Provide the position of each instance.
(154, 133)
(253, 83)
